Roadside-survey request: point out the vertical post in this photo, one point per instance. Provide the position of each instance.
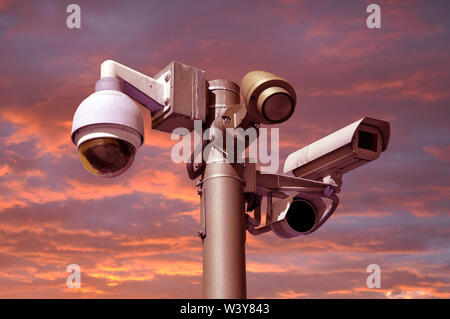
(223, 204)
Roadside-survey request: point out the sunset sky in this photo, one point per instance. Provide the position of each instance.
(134, 236)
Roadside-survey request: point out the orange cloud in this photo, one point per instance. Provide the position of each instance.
(339, 292)
(5, 170)
(412, 292)
(51, 134)
(291, 294)
(166, 184)
(140, 270)
(147, 181)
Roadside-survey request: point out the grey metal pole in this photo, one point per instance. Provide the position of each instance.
(223, 208)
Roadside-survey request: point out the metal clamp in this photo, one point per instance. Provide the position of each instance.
(221, 175)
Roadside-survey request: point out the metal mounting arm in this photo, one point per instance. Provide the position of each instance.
(154, 94)
(277, 184)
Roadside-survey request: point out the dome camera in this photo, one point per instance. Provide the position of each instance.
(107, 129)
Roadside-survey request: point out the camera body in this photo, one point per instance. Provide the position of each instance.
(269, 98)
(346, 149)
(108, 126)
(107, 129)
(296, 215)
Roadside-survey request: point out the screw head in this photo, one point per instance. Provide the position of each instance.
(167, 77)
(166, 101)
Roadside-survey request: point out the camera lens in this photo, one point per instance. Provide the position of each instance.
(106, 157)
(278, 107)
(301, 216)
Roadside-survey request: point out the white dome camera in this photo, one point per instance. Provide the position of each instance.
(107, 129)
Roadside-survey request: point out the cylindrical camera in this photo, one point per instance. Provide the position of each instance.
(269, 98)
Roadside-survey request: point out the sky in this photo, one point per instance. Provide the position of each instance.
(134, 236)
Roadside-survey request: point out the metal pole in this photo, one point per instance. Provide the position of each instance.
(223, 208)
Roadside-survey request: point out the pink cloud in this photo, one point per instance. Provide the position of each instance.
(416, 86)
(441, 153)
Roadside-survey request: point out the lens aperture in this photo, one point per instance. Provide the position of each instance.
(106, 157)
(301, 216)
(278, 107)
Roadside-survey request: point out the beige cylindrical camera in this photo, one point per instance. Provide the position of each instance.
(269, 98)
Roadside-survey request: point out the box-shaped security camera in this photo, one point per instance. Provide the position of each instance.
(352, 146)
(188, 98)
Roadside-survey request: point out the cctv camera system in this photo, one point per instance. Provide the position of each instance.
(176, 97)
(324, 161)
(108, 129)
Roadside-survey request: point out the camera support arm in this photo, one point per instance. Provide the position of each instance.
(276, 183)
(153, 94)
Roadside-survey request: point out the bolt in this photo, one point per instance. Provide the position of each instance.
(201, 234)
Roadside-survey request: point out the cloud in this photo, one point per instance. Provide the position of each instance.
(416, 86)
(441, 153)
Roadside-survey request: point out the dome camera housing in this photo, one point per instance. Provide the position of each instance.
(107, 129)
